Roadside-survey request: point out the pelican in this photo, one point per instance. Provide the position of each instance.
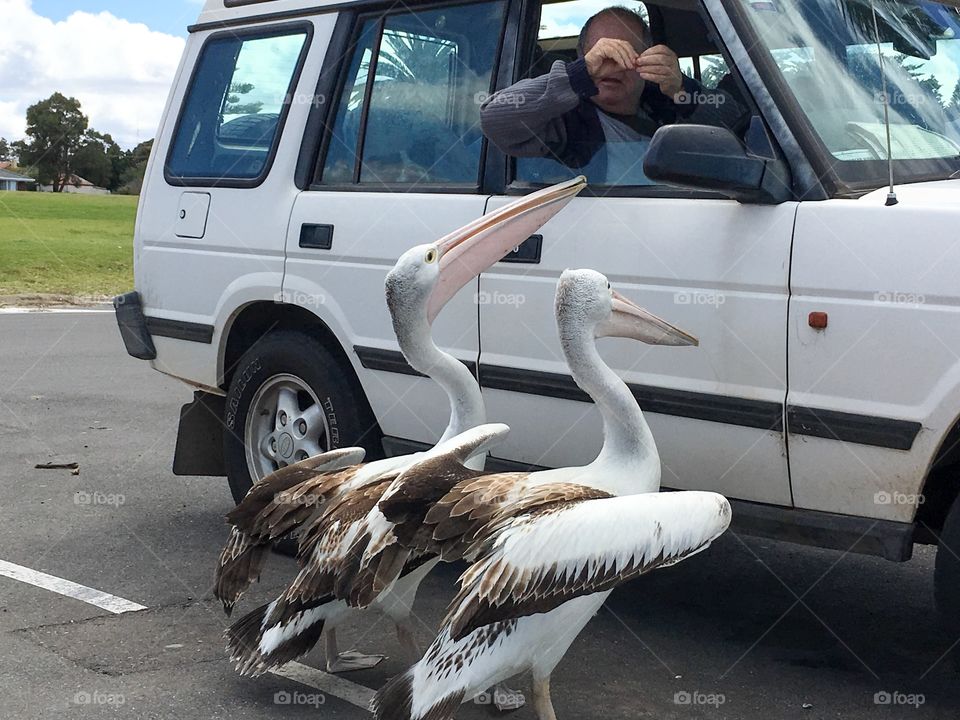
(547, 548)
(424, 279)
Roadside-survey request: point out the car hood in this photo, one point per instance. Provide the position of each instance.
(935, 193)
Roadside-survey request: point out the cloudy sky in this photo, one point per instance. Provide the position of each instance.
(118, 57)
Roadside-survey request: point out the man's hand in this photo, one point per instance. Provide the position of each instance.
(660, 65)
(609, 56)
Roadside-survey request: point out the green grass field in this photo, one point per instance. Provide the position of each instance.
(66, 244)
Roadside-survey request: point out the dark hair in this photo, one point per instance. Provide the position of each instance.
(618, 11)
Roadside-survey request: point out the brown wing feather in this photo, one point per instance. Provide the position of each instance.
(326, 569)
(459, 517)
(497, 592)
(278, 505)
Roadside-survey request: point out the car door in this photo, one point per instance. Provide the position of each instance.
(218, 195)
(401, 168)
(712, 266)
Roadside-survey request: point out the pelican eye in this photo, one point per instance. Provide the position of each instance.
(431, 256)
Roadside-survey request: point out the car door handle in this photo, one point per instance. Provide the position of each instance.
(527, 252)
(316, 237)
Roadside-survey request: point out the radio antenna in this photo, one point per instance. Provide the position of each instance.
(891, 194)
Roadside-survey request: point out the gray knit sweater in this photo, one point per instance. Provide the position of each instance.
(552, 115)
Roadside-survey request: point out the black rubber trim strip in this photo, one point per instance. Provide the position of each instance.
(180, 330)
(849, 427)
(394, 361)
(761, 414)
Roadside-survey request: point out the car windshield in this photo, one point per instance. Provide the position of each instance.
(844, 60)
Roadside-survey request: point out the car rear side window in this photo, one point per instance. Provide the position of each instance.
(234, 109)
(409, 109)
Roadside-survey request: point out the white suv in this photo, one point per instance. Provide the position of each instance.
(306, 145)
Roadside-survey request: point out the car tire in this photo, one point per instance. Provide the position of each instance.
(291, 371)
(946, 576)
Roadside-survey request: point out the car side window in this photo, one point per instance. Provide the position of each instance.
(408, 111)
(232, 115)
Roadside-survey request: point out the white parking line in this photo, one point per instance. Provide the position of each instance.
(346, 690)
(353, 693)
(52, 311)
(103, 600)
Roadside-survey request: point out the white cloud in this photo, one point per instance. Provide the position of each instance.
(120, 71)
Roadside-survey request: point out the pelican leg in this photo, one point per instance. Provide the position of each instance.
(542, 703)
(345, 661)
(408, 640)
(506, 699)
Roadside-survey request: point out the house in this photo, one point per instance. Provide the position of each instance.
(77, 184)
(10, 180)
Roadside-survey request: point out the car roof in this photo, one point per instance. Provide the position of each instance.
(220, 10)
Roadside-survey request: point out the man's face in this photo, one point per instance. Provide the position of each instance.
(619, 92)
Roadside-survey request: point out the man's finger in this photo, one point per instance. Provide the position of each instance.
(655, 77)
(654, 61)
(658, 50)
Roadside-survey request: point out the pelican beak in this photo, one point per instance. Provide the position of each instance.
(629, 320)
(476, 247)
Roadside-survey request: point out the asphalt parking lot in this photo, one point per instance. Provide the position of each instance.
(751, 629)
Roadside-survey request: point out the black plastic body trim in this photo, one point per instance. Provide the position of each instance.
(257, 33)
(848, 533)
(393, 361)
(866, 536)
(761, 414)
(180, 330)
(133, 326)
(849, 427)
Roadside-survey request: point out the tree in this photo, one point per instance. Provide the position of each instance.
(6, 151)
(132, 180)
(953, 104)
(233, 105)
(56, 128)
(100, 160)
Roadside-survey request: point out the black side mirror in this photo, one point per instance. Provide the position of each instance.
(712, 158)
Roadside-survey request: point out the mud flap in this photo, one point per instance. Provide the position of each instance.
(200, 437)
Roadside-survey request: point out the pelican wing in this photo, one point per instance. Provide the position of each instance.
(263, 492)
(273, 507)
(535, 560)
(331, 554)
(427, 482)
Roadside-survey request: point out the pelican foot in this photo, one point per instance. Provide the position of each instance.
(506, 699)
(353, 660)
